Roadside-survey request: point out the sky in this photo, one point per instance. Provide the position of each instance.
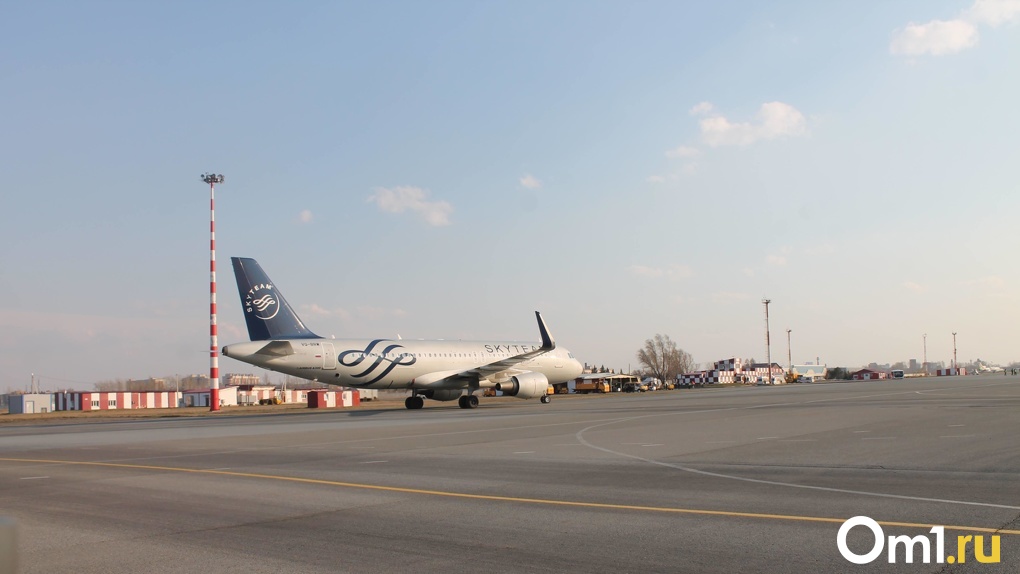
(443, 169)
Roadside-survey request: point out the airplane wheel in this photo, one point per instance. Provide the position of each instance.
(462, 402)
(415, 402)
(545, 399)
(472, 402)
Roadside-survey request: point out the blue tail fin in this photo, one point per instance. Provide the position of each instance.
(266, 312)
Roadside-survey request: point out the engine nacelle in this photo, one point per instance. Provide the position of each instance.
(525, 386)
(442, 394)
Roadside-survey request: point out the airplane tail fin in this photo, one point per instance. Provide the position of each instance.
(266, 312)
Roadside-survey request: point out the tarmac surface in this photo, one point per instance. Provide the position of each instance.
(755, 479)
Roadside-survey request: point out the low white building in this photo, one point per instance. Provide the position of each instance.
(811, 372)
(200, 397)
(31, 403)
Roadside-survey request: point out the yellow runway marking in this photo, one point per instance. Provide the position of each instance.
(496, 498)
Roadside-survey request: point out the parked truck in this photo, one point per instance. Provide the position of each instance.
(591, 387)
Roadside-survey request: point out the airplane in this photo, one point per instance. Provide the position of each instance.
(438, 370)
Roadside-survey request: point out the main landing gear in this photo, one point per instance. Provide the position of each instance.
(414, 402)
(545, 399)
(468, 402)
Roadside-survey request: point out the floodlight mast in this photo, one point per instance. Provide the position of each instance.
(214, 354)
(956, 366)
(924, 340)
(768, 342)
(789, 350)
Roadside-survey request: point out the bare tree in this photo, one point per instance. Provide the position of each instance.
(663, 359)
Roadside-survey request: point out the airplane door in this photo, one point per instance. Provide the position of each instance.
(328, 356)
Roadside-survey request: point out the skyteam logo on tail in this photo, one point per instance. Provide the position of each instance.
(262, 301)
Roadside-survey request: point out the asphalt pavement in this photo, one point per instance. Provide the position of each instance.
(756, 479)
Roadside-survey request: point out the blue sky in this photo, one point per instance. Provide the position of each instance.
(442, 169)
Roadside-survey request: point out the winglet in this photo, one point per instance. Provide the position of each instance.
(548, 344)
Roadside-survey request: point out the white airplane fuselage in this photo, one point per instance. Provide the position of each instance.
(401, 363)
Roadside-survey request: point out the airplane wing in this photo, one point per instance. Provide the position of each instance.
(487, 370)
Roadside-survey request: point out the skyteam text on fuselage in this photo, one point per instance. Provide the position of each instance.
(438, 370)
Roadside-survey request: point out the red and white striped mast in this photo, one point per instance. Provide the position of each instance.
(214, 353)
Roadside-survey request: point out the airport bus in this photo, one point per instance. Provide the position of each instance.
(897, 374)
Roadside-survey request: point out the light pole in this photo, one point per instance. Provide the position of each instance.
(214, 353)
(924, 365)
(768, 342)
(956, 370)
(789, 352)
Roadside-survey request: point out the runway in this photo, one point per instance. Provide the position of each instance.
(706, 480)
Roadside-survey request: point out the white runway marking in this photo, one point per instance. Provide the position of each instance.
(861, 431)
(767, 437)
(374, 461)
(651, 445)
(525, 452)
(957, 425)
(33, 477)
(958, 436)
(877, 437)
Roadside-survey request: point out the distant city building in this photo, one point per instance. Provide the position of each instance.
(914, 365)
(235, 379)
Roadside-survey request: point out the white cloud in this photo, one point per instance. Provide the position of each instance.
(530, 182)
(683, 151)
(820, 249)
(655, 179)
(993, 12)
(774, 120)
(940, 37)
(911, 286)
(937, 38)
(704, 108)
(670, 272)
(407, 198)
(305, 216)
(776, 260)
(992, 282)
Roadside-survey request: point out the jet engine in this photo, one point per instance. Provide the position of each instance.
(442, 394)
(525, 386)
